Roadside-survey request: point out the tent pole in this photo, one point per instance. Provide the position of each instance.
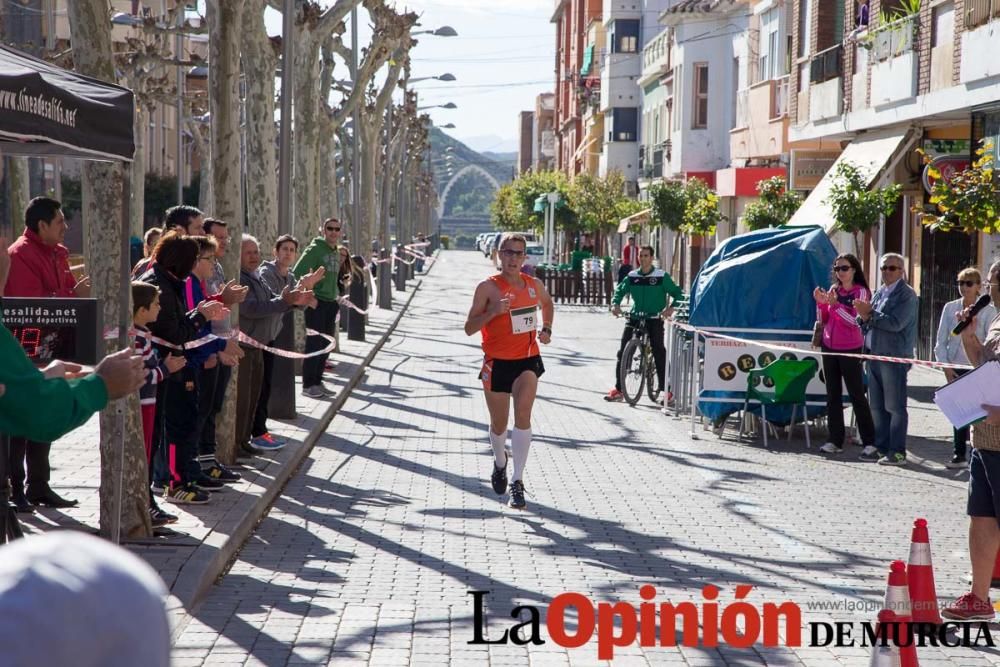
(694, 385)
(124, 299)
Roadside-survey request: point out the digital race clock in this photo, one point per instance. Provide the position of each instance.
(47, 329)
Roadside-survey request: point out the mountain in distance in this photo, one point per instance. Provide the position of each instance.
(491, 143)
(499, 165)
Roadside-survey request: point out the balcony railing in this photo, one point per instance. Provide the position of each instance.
(743, 108)
(892, 39)
(827, 64)
(779, 98)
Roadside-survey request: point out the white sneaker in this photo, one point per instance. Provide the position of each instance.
(830, 448)
(869, 450)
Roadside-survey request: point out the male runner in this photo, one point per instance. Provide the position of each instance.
(649, 288)
(503, 308)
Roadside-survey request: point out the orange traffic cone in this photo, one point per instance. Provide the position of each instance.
(920, 577)
(897, 600)
(888, 655)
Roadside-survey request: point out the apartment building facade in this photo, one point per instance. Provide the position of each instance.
(688, 75)
(161, 136)
(525, 141)
(571, 18)
(883, 83)
(544, 133)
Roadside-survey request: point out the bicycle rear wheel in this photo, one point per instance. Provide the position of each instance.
(632, 375)
(652, 382)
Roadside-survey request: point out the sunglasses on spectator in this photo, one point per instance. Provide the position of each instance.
(890, 268)
(512, 253)
(333, 229)
(841, 269)
(966, 283)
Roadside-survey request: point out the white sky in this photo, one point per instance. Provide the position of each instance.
(502, 58)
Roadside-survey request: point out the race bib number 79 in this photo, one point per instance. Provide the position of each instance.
(522, 320)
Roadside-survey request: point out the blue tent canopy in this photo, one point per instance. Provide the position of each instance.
(762, 280)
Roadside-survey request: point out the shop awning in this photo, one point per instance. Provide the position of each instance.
(588, 60)
(873, 153)
(640, 218)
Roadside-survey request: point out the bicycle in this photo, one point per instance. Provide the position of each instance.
(638, 368)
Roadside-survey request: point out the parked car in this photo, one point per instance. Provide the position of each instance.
(489, 247)
(534, 254)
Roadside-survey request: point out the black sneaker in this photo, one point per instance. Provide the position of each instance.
(186, 494)
(156, 517)
(206, 483)
(499, 477)
(220, 472)
(517, 495)
(156, 512)
(957, 462)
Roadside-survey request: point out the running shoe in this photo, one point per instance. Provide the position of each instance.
(969, 608)
(499, 477)
(188, 494)
(517, 495)
(830, 448)
(957, 462)
(614, 396)
(869, 454)
(272, 438)
(206, 483)
(262, 444)
(896, 459)
(315, 391)
(216, 470)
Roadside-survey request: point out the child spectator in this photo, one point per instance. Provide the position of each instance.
(145, 309)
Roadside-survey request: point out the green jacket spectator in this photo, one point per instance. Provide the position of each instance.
(38, 408)
(320, 253)
(649, 292)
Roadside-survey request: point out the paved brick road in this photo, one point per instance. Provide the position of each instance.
(371, 552)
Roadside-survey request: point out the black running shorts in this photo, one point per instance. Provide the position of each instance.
(499, 374)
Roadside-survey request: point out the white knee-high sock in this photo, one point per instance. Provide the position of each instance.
(520, 443)
(498, 442)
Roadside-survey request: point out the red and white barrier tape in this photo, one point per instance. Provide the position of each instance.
(111, 333)
(344, 301)
(288, 354)
(427, 260)
(820, 353)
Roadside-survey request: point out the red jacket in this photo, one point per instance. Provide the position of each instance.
(39, 270)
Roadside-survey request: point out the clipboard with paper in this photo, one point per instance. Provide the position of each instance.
(961, 400)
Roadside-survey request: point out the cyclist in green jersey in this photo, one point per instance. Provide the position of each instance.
(653, 296)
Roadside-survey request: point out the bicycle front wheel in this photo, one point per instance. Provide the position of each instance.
(632, 375)
(652, 382)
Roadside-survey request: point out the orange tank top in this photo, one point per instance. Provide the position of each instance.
(513, 335)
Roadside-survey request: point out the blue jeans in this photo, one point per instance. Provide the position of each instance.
(887, 396)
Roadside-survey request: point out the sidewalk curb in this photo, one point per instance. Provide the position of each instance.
(211, 558)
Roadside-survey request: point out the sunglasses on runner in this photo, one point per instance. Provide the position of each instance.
(333, 229)
(890, 268)
(966, 283)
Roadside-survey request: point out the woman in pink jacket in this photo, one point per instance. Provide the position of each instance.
(841, 333)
